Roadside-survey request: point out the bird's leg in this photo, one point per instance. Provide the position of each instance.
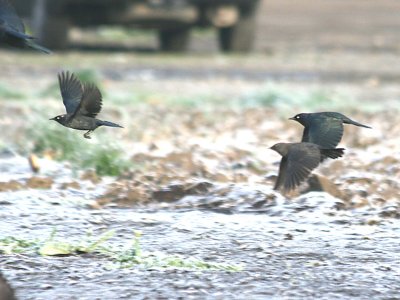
(87, 134)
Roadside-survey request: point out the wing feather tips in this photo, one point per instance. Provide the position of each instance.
(332, 153)
(92, 101)
(280, 180)
(71, 90)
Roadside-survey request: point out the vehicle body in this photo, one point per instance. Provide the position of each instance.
(173, 19)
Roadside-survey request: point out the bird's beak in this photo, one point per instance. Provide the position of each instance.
(292, 118)
(53, 118)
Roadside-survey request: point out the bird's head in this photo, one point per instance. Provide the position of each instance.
(301, 118)
(60, 119)
(281, 148)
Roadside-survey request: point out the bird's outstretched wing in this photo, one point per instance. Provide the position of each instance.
(323, 131)
(91, 102)
(71, 91)
(282, 174)
(298, 166)
(12, 24)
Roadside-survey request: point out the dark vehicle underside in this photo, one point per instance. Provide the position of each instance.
(173, 19)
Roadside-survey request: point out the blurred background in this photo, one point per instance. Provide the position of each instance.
(203, 88)
(170, 20)
(169, 70)
(229, 25)
(301, 55)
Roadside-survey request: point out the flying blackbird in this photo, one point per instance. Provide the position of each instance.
(324, 128)
(82, 103)
(12, 30)
(298, 160)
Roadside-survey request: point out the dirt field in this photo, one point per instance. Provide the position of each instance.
(360, 26)
(197, 128)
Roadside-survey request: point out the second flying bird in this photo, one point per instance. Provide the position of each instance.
(82, 103)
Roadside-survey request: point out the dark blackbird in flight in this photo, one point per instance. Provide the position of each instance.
(324, 128)
(82, 103)
(12, 30)
(298, 160)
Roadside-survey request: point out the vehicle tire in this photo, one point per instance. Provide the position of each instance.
(55, 33)
(239, 37)
(174, 40)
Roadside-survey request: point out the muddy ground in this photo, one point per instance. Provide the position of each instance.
(197, 128)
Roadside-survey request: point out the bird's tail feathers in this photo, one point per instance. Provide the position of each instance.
(16, 33)
(360, 125)
(35, 46)
(110, 124)
(332, 153)
(349, 121)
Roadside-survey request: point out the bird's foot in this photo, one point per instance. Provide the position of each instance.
(87, 135)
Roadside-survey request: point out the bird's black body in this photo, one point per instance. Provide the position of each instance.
(324, 128)
(82, 103)
(12, 30)
(298, 160)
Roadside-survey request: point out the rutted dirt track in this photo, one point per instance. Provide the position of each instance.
(313, 246)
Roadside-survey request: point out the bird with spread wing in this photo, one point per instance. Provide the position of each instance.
(82, 102)
(324, 128)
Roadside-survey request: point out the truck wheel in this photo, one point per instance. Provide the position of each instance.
(174, 40)
(55, 33)
(239, 37)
